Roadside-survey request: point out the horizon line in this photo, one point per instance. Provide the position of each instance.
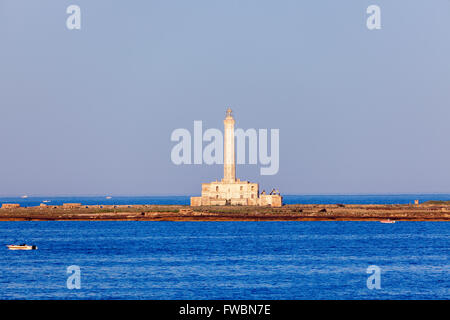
(190, 195)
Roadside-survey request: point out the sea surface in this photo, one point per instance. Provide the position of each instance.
(225, 260)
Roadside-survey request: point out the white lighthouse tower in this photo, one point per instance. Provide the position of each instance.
(229, 164)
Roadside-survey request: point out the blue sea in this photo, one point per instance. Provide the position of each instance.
(227, 260)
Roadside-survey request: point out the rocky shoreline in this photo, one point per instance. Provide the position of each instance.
(314, 212)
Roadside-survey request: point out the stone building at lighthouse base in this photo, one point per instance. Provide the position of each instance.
(232, 191)
(243, 193)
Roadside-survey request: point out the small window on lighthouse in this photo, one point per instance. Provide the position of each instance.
(217, 188)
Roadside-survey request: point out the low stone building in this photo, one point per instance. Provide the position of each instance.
(232, 191)
(10, 205)
(222, 193)
(273, 199)
(71, 205)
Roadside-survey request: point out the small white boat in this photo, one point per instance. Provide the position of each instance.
(21, 247)
(46, 201)
(24, 196)
(108, 197)
(387, 221)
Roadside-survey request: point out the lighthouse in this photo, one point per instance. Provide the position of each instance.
(232, 191)
(229, 163)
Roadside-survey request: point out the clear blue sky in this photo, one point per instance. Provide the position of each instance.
(91, 111)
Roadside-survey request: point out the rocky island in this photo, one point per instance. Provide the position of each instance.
(428, 211)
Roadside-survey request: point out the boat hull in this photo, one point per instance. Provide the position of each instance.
(16, 247)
